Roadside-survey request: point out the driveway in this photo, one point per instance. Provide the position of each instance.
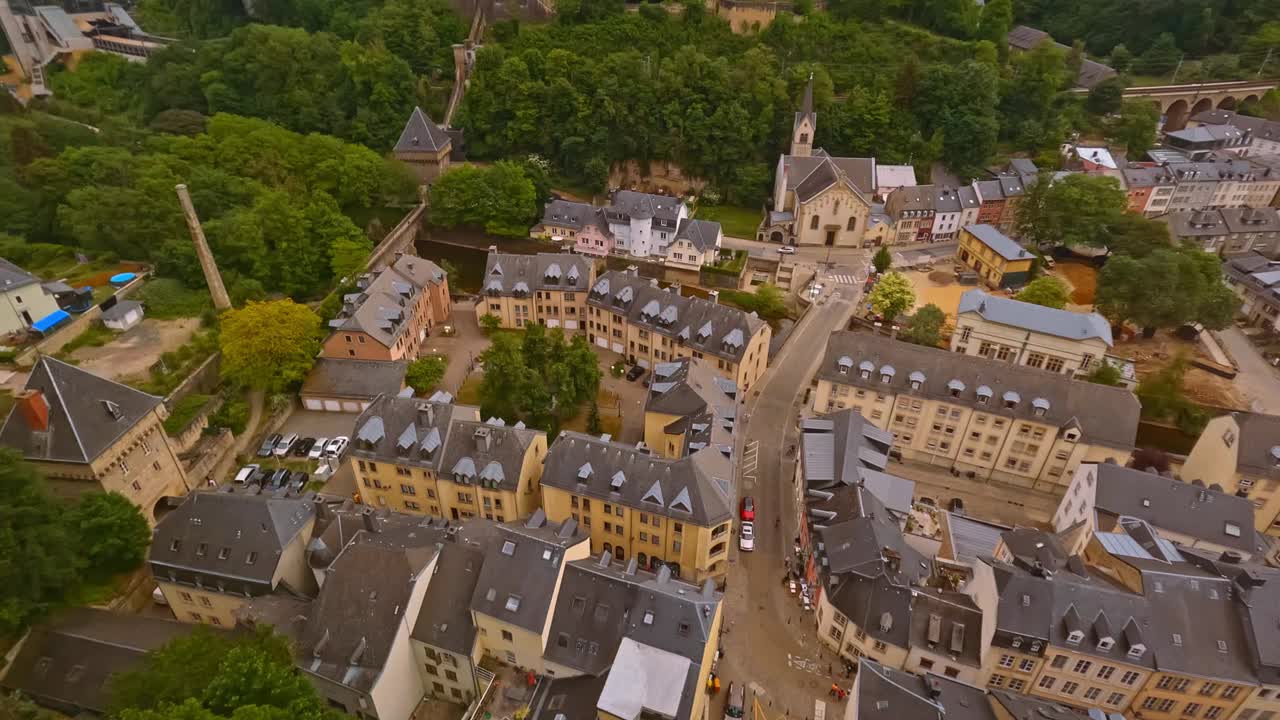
(1259, 382)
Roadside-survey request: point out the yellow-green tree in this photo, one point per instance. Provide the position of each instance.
(269, 345)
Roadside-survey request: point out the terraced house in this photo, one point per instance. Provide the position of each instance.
(86, 433)
(1008, 422)
(433, 457)
(689, 407)
(658, 511)
(647, 324)
(547, 288)
(392, 312)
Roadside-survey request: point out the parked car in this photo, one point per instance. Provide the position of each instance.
(268, 445)
(748, 508)
(303, 447)
(634, 373)
(245, 473)
(786, 250)
(285, 445)
(337, 446)
(259, 477)
(298, 480)
(277, 478)
(747, 537)
(956, 505)
(736, 701)
(317, 450)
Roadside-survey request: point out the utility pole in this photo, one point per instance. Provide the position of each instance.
(210, 267)
(1174, 80)
(1265, 60)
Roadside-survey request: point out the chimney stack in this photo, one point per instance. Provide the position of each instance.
(221, 301)
(713, 296)
(35, 410)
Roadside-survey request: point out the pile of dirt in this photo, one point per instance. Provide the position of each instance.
(1083, 279)
(941, 277)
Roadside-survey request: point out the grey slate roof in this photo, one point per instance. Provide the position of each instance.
(949, 623)
(87, 414)
(844, 450)
(544, 271)
(350, 378)
(69, 661)
(1258, 127)
(1259, 440)
(1026, 38)
(1104, 415)
(13, 277)
(494, 452)
(1091, 72)
(703, 234)
(573, 698)
(522, 569)
(384, 296)
(1029, 707)
(570, 214)
(702, 400)
(1038, 318)
(1176, 506)
(422, 135)
(234, 537)
(824, 170)
(650, 483)
(1001, 244)
(627, 204)
(627, 294)
(972, 538)
(120, 309)
(444, 620)
(1201, 614)
(387, 418)
(888, 694)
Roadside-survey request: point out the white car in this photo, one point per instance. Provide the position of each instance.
(786, 250)
(317, 450)
(336, 446)
(283, 447)
(246, 472)
(747, 537)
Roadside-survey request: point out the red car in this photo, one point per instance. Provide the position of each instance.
(748, 509)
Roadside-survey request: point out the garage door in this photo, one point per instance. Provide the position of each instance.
(332, 406)
(603, 342)
(643, 363)
(313, 403)
(570, 324)
(619, 348)
(552, 322)
(351, 405)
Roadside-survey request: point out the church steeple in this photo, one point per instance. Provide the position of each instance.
(806, 123)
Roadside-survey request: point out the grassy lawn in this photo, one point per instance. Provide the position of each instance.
(169, 299)
(184, 412)
(738, 222)
(469, 393)
(96, 335)
(610, 421)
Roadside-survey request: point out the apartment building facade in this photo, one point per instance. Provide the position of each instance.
(547, 288)
(673, 513)
(1007, 422)
(392, 312)
(1255, 280)
(432, 457)
(647, 324)
(1240, 453)
(999, 261)
(86, 433)
(1229, 231)
(1020, 333)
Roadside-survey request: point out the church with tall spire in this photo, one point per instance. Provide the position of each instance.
(819, 199)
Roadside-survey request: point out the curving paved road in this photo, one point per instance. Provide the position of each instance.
(770, 643)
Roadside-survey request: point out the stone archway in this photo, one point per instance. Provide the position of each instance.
(776, 237)
(1175, 115)
(1227, 103)
(1202, 105)
(1250, 99)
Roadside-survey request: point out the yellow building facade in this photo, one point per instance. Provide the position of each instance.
(998, 260)
(547, 288)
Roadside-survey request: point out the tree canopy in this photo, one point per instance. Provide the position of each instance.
(892, 296)
(924, 327)
(1078, 209)
(499, 198)
(269, 345)
(1165, 289)
(1046, 291)
(424, 374)
(115, 535)
(538, 376)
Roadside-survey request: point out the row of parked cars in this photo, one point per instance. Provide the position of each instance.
(313, 448)
(269, 479)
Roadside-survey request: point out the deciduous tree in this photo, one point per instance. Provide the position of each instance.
(1046, 291)
(924, 327)
(1165, 289)
(113, 534)
(892, 296)
(1078, 209)
(269, 345)
(424, 374)
(882, 260)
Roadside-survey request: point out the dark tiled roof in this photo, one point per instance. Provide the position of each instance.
(379, 308)
(692, 489)
(948, 623)
(1026, 38)
(87, 414)
(363, 379)
(1028, 707)
(1195, 628)
(68, 662)
(699, 397)
(422, 135)
(1176, 506)
(504, 273)
(568, 698)
(235, 537)
(703, 234)
(381, 432)
(861, 172)
(568, 214)
(703, 325)
(631, 204)
(1001, 244)
(486, 453)
(1104, 415)
(1038, 318)
(444, 619)
(13, 277)
(522, 570)
(888, 694)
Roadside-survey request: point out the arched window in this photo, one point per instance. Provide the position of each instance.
(813, 223)
(804, 137)
(619, 554)
(642, 561)
(853, 223)
(608, 547)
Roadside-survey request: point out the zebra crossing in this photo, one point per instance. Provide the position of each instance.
(844, 279)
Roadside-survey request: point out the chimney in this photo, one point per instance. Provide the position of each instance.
(493, 248)
(35, 410)
(713, 296)
(370, 522)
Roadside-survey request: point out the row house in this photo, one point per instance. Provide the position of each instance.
(547, 288)
(657, 511)
(391, 312)
(930, 213)
(1256, 281)
(432, 457)
(634, 224)
(1228, 231)
(1218, 182)
(976, 415)
(647, 324)
(582, 223)
(1263, 134)
(998, 200)
(688, 407)
(1240, 453)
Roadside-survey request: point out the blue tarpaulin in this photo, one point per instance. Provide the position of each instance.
(50, 321)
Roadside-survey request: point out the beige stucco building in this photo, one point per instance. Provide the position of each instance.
(23, 299)
(633, 505)
(689, 406)
(1059, 341)
(424, 146)
(85, 433)
(547, 288)
(431, 457)
(1011, 423)
(647, 324)
(392, 312)
(1241, 453)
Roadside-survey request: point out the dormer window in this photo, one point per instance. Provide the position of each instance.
(886, 374)
(955, 387)
(1011, 399)
(1137, 651)
(844, 364)
(1075, 637)
(984, 395)
(1106, 644)
(1039, 406)
(917, 380)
